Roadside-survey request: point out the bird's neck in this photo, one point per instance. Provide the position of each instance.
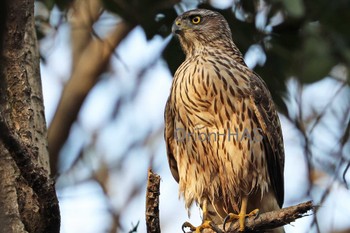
(218, 47)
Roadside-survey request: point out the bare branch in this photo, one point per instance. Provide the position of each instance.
(84, 14)
(152, 203)
(271, 219)
(90, 65)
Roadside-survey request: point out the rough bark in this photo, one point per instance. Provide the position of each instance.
(152, 203)
(28, 202)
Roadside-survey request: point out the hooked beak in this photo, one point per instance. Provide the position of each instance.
(176, 28)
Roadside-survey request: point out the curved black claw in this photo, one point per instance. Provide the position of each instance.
(215, 228)
(227, 218)
(189, 225)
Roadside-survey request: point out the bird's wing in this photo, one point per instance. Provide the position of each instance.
(266, 114)
(169, 139)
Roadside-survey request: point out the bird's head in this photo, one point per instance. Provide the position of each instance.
(201, 28)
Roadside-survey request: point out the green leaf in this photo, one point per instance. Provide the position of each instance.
(294, 7)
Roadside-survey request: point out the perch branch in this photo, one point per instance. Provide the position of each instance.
(271, 219)
(152, 203)
(261, 223)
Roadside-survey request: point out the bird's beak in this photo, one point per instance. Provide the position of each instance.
(177, 27)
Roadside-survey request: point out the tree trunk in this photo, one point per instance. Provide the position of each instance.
(28, 201)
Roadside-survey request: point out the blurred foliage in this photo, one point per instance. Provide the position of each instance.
(310, 39)
(61, 4)
(152, 15)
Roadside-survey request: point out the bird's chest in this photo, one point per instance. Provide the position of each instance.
(203, 90)
(192, 95)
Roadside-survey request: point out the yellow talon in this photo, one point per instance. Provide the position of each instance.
(204, 225)
(241, 216)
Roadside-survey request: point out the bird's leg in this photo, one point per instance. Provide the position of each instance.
(242, 215)
(205, 223)
(205, 211)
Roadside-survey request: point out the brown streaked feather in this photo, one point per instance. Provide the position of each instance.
(266, 114)
(169, 139)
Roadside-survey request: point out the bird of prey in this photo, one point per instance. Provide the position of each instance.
(223, 135)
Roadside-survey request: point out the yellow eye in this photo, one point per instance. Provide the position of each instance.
(196, 20)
